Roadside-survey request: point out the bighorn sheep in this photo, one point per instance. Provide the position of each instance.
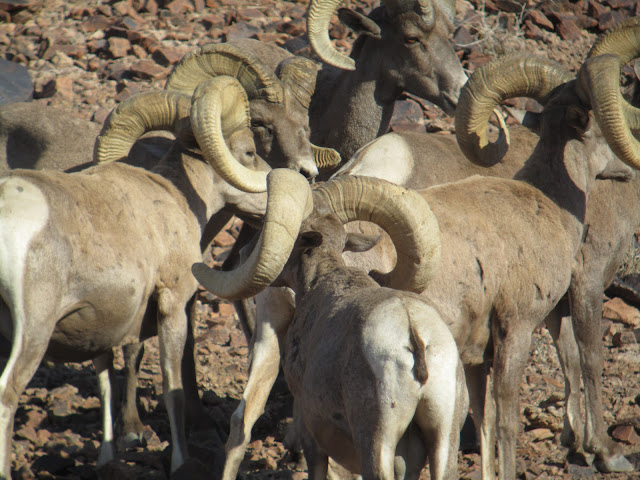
(364, 362)
(402, 46)
(278, 103)
(509, 291)
(113, 244)
(421, 160)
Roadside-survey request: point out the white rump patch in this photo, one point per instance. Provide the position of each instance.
(23, 214)
(387, 157)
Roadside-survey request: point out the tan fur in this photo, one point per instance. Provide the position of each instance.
(118, 242)
(356, 359)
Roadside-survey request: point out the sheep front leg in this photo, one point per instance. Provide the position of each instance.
(275, 310)
(511, 350)
(586, 312)
(104, 369)
(172, 335)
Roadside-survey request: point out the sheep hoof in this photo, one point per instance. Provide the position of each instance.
(131, 440)
(617, 463)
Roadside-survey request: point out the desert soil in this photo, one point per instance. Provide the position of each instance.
(85, 56)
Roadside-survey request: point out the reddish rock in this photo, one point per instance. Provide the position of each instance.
(540, 19)
(147, 68)
(119, 47)
(618, 310)
(626, 337)
(179, 7)
(533, 32)
(625, 433)
(95, 23)
(568, 29)
(166, 56)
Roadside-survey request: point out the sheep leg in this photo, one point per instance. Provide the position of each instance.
(172, 334)
(245, 308)
(30, 341)
(484, 416)
(275, 311)
(317, 461)
(197, 416)
(104, 368)
(511, 350)
(561, 330)
(440, 415)
(586, 312)
(132, 426)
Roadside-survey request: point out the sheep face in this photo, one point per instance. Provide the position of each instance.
(416, 55)
(281, 134)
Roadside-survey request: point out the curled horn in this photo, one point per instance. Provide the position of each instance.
(426, 11)
(139, 114)
(298, 76)
(325, 157)
(622, 40)
(224, 59)
(508, 77)
(402, 213)
(318, 19)
(599, 79)
(219, 107)
(289, 203)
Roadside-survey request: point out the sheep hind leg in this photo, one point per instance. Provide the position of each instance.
(586, 312)
(483, 416)
(132, 428)
(27, 351)
(377, 431)
(104, 368)
(172, 334)
(440, 414)
(317, 461)
(511, 351)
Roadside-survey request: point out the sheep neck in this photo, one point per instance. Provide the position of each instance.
(195, 181)
(562, 173)
(327, 271)
(352, 108)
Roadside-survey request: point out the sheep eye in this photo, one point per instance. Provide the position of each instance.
(411, 40)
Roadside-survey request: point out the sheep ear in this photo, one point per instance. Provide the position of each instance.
(309, 240)
(617, 170)
(360, 24)
(578, 118)
(358, 242)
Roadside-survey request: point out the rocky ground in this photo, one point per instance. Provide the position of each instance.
(85, 56)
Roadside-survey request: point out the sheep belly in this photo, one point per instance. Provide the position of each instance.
(86, 333)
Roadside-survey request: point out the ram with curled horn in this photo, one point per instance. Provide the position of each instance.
(72, 282)
(402, 46)
(526, 270)
(279, 88)
(353, 346)
(423, 160)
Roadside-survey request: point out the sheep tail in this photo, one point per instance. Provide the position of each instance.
(419, 350)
